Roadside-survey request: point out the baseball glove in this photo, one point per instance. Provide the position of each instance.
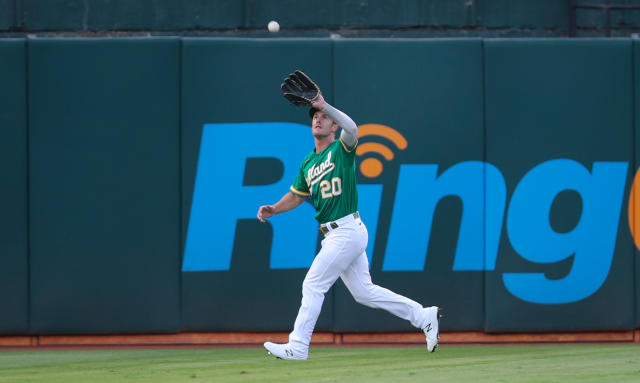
(299, 89)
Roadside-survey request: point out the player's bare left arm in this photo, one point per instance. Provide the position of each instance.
(288, 202)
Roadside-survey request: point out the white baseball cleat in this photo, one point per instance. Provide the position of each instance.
(283, 351)
(432, 328)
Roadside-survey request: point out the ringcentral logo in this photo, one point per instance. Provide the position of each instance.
(480, 186)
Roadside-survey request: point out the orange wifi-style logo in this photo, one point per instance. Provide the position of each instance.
(372, 167)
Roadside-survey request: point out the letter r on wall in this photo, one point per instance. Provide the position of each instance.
(220, 199)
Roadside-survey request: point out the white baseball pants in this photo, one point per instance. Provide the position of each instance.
(343, 255)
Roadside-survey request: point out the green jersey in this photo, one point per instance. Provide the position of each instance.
(329, 179)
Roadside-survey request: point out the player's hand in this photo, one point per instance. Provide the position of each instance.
(319, 103)
(266, 211)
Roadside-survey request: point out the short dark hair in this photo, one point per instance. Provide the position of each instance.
(313, 111)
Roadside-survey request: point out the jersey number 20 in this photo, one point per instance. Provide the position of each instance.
(328, 190)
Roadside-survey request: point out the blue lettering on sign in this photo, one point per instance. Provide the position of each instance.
(369, 197)
(418, 192)
(220, 199)
(591, 242)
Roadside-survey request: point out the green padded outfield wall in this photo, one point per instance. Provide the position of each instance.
(137, 167)
(559, 123)
(503, 202)
(104, 185)
(14, 298)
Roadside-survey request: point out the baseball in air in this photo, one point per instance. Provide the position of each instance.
(273, 26)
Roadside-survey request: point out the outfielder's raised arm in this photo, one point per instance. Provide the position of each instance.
(300, 90)
(349, 134)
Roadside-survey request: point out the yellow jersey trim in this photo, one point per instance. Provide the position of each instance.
(346, 148)
(298, 192)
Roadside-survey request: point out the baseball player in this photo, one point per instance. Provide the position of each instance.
(327, 176)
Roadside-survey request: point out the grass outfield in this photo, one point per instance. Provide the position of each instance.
(536, 363)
